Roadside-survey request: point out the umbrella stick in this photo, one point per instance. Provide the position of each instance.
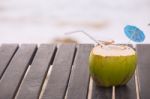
(131, 38)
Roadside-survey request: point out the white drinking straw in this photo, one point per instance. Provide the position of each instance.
(92, 38)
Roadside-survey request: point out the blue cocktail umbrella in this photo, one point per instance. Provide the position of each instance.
(134, 33)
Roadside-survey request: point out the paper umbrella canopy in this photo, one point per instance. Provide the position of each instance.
(134, 33)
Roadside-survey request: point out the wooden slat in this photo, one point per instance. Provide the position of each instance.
(128, 91)
(143, 52)
(31, 85)
(15, 71)
(6, 53)
(61, 69)
(101, 93)
(79, 81)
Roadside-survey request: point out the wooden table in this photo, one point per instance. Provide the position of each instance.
(50, 71)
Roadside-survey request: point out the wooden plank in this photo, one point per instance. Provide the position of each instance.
(79, 81)
(32, 84)
(128, 91)
(143, 51)
(6, 53)
(15, 71)
(58, 81)
(101, 93)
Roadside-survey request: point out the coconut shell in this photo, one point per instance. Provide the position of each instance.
(109, 71)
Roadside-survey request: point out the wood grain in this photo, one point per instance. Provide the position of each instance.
(32, 84)
(58, 80)
(79, 81)
(6, 53)
(15, 71)
(143, 51)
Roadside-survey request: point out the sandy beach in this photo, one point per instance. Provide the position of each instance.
(41, 21)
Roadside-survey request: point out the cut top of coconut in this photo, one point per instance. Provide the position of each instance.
(113, 50)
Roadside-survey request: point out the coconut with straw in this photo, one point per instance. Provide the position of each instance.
(111, 64)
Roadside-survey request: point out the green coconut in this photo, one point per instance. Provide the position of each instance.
(112, 65)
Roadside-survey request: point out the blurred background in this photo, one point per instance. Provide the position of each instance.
(46, 21)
